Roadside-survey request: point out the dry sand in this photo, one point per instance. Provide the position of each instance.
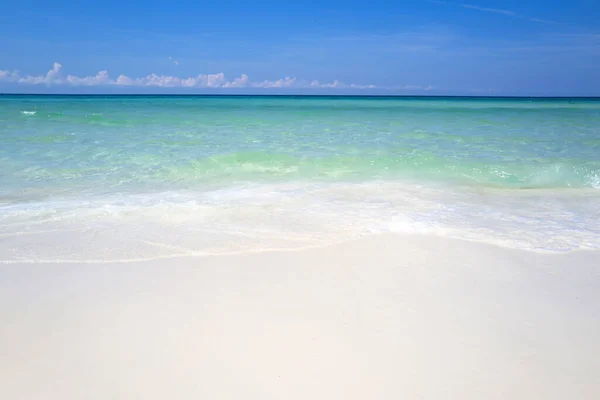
(385, 317)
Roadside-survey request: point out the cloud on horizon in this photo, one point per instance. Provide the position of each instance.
(55, 77)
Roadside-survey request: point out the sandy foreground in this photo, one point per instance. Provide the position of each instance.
(385, 317)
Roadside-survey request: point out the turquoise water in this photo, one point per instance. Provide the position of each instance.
(518, 172)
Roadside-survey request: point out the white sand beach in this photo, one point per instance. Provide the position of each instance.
(384, 317)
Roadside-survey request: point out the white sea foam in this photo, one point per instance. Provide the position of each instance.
(28, 112)
(594, 179)
(291, 216)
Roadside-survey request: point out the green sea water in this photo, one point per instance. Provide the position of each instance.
(522, 172)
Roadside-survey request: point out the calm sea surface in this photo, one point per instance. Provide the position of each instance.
(98, 178)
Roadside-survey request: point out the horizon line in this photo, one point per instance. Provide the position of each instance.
(301, 95)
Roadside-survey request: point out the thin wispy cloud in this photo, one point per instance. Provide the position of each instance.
(541, 21)
(580, 35)
(508, 13)
(174, 61)
(55, 77)
(492, 10)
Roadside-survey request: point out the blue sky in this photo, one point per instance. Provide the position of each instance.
(479, 47)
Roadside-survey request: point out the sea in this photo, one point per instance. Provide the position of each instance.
(91, 178)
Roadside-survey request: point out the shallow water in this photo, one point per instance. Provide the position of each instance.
(133, 177)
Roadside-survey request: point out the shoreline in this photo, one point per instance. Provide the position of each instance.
(418, 236)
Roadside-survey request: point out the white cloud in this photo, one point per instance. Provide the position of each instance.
(218, 80)
(53, 76)
(280, 83)
(174, 61)
(355, 86)
(101, 78)
(213, 80)
(240, 82)
(123, 80)
(339, 85)
(167, 81)
(334, 84)
(9, 76)
(414, 88)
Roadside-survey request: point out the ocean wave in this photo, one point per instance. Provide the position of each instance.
(28, 112)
